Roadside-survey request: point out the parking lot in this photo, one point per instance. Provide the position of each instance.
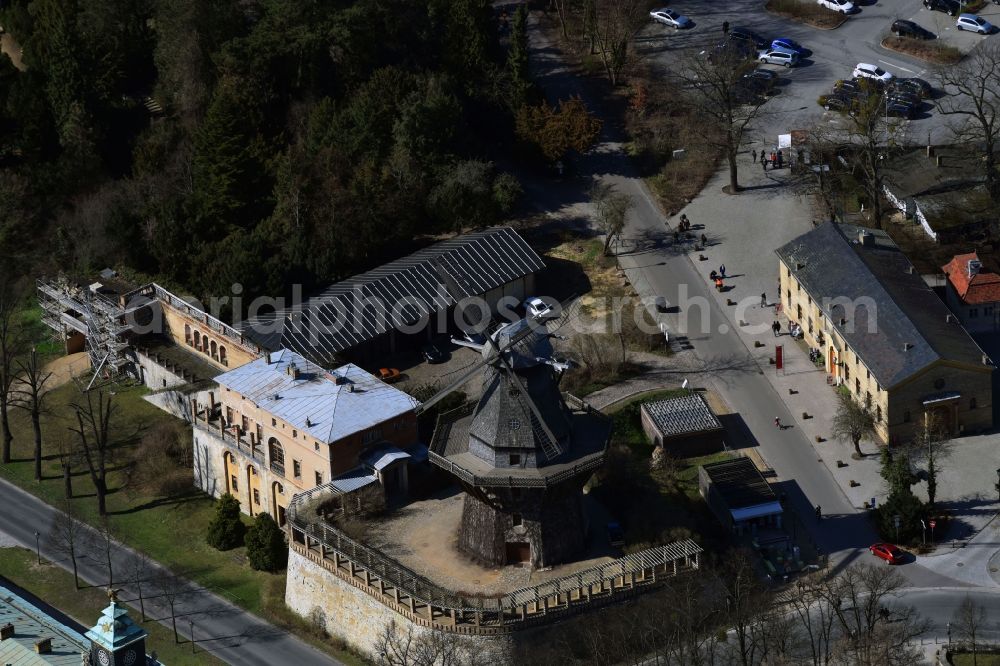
(834, 53)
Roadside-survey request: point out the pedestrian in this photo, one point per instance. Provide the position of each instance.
(677, 236)
(781, 159)
(776, 327)
(763, 162)
(725, 27)
(722, 270)
(819, 513)
(719, 286)
(753, 154)
(704, 240)
(777, 423)
(763, 156)
(763, 300)
(774, 158)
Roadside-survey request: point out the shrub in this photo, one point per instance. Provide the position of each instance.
(266, 547)
(910, 510)
(226, 530)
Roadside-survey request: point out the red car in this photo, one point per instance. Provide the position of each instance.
(887, 552)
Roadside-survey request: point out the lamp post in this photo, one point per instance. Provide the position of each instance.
(949, 633)
(191, 627)
(38, 547)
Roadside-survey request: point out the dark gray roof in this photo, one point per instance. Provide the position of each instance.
(831, 265)
(680, 416)
(422, 283)
(739, 483)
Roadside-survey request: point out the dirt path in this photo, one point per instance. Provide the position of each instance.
(64, 368)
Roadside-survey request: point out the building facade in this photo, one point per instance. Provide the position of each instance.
(884, 336)
(973, 293)
(281, 425)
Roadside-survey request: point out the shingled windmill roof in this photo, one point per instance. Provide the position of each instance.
(899, 324)
(420, 284)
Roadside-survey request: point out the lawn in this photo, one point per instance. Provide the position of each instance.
(53, 585)
(807, 12)
(170, 529)
(965, 659)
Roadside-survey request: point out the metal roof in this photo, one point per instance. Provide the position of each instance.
(355, 479)
(327, 406)
(397, 294)
(32, 625)
(382, 457)
(739, 483)
(907, 329)
(681, 416)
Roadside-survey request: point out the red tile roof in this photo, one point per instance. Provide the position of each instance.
(984, 287)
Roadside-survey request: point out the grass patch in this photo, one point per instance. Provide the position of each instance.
(171, 529)
(53, 585)
(929, 50)
(982, 659)
(809, 13)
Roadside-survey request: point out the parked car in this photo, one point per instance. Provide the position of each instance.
(974, 23)
(616, 535)
(916, 86)
(903, 28)
(949, 7)
(761, 80)
(789, 44)
(670, 18)
(734, 51)
(839, 102)
(782, 57)
(842, 6)
(389, 375)
(888, 552)
(433, 354)
(858, 87)
(537, 308)
(898, 108)
(905, 96)
(864, 70)
(739, 33)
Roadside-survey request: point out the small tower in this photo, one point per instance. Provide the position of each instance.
(116, 640)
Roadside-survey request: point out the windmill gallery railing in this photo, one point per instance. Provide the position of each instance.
(430, 605)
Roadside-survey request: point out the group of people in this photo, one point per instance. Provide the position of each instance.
(794, 330)
(776, 158)
(717, 277)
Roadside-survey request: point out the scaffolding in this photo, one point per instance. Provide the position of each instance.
(67, 306)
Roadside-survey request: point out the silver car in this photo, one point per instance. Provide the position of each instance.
(779, 56)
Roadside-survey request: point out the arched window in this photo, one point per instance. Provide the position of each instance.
(878, 413)
(276, 455)
(187, 334)
(215, 349)
(197, 340)
(222, 355)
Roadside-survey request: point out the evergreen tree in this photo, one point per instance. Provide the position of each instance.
(266, 547)
(226, 529)
(517, 58)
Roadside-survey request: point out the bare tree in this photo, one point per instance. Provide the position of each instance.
(138, 571)
(718, 99)
(407, 648)
(610, 211)
(614, 24)
(972, 99)
(67, 536)
(816, 614)
(103, 541)
(30, 390)
(173, 588)
(94, 419)
(10, 344)
(746, 602)
(68, 458)
(970, 620)
(852, 422)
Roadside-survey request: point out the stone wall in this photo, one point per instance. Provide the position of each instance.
(156, 376)
(351, 614)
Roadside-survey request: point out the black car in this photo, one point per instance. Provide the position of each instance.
(735, 51)
(840, 102)
(763, 80)
(949, 7)
(740, 33)
(914, 86)
(899, 109)
(907, 97)
(432, 354)
(904, 28)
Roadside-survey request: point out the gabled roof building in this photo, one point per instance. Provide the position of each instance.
(885, 336)
(374, 311)
(972, 293)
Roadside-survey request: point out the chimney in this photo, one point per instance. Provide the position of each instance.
(950, 318)
(350, 387)
(6, 631)
(339, 379)
(799, 266)
(44, 646)
(308, 422)
(866, 238)
(907, 346)
(974, 266)
(930, 151)
(911, 270)
(939, 160)
(986, 360)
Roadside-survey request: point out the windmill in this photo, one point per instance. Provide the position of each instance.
(522, 453)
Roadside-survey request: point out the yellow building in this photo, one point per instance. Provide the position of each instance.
(883, 334)
(281, 425)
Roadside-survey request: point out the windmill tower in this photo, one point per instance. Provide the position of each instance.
(522, 453)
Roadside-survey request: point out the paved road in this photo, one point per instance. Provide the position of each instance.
(228, 632)
(834, 55)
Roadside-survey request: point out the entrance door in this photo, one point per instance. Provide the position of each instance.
(518, 552)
